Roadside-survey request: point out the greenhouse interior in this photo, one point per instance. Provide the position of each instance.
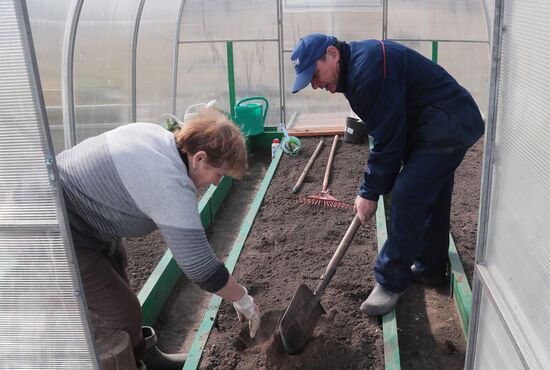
(169, 200)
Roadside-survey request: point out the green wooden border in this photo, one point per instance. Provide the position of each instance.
(392, 360)
(263, 142)
(462, 293)
(164, 277)
(197, 347)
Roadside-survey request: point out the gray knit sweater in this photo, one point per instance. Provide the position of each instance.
(130, 181)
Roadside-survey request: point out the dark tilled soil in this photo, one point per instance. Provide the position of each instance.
(291, 244)
(465, 209)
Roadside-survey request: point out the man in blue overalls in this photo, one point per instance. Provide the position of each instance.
(422, 123)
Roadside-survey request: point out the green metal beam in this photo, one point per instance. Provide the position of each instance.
(231, 78)
(197, 347)
(435, 51)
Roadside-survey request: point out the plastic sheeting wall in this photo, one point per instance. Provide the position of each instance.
(42, 317)
(513, 262)
(103, 84)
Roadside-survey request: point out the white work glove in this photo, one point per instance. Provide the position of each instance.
(247, 310)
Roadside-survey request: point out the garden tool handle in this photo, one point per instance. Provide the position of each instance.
(338, 255)
(329, 163)
(308, 166)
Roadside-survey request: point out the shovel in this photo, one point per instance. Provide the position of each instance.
(301, 316)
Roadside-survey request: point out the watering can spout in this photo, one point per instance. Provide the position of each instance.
(251, 117)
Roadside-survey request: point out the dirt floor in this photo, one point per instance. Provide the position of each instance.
(291, 244)
(465, 209)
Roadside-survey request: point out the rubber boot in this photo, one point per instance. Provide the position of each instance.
(425, 277)
(154, 358)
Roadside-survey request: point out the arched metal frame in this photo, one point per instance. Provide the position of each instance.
(135, 32)
(279, 41)
(67, 65)
(67, 76)
(29, 183)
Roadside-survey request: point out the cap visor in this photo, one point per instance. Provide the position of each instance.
(303, 78)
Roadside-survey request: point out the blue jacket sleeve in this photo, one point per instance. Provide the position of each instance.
(387, 124)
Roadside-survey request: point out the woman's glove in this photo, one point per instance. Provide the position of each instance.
(247, 310)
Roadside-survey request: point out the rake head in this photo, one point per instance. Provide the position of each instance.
(324, 199)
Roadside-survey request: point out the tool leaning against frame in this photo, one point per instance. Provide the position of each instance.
(324, 199)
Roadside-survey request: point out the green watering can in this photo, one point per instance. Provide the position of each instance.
(251, 117)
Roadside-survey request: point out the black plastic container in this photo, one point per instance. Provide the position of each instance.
(355, 132)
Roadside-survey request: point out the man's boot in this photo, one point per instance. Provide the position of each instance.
(429, 278)
(380, 301)
(154, 358)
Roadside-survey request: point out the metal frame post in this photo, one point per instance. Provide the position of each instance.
(133, 77)
(486, 182)
(280, 37)
(176, 58)
(67, 78)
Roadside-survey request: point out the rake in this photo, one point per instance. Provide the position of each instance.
(324, 199)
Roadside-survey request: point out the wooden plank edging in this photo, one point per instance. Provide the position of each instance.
(392, 359)
(159, 285)
(462, 294)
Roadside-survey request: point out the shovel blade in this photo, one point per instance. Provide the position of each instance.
(299, 320)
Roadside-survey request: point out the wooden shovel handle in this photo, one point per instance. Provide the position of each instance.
(338, 255)
(329, 163)
(308, 166)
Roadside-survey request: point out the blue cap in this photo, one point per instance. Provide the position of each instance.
(304, 56)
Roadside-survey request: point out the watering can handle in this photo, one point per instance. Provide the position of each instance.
(256, 98)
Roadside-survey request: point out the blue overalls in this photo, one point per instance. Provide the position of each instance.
(422, 123)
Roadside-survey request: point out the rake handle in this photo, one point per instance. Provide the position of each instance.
(308, 166)
(329, 163)
(338, 255)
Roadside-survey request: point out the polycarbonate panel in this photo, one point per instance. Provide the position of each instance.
(517, 252)
(348, 21)
(229, 20)
(203, 75)
(469, 64)
(47, 19)
(42, 317)
(436, 19)
(102, 71)
(309, 107)
(345, 21)
(495, 348)
(489, 10)
(155, 58)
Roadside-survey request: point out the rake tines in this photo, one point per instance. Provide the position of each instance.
(324, 199)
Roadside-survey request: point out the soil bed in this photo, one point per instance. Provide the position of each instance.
(291, 244)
